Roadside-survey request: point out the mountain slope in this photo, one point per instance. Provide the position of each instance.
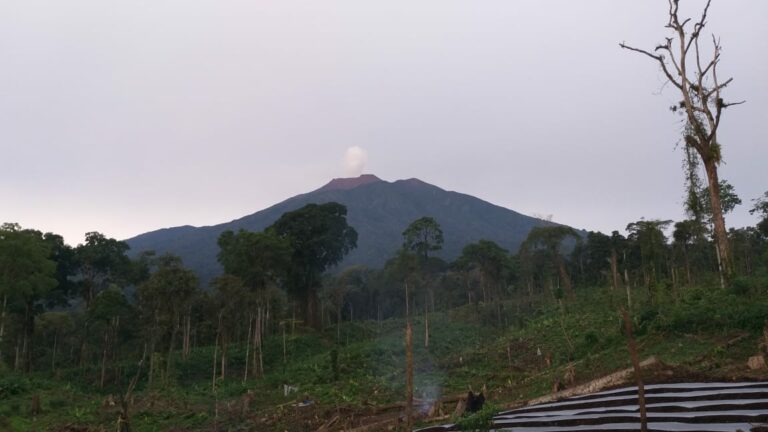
(377, 209)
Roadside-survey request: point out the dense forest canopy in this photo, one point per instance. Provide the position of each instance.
(117, 304)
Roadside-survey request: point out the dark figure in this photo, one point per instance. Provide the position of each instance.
(475, 402)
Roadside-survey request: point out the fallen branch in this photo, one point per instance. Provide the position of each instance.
(326, 426)
(599, 384)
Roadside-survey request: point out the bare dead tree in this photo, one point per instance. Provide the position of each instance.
(702, 105)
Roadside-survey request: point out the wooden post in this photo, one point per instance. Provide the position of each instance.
(636, 366)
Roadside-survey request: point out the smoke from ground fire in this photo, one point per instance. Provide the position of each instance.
(355, 159)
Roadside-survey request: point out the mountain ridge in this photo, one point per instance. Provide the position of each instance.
(379, 210)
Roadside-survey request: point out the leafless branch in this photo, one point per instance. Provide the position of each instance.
(658, 58)
(717, 88)
(698, 26)
(726, 105)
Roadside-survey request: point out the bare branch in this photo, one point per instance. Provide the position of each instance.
(679, 66)
(700, 91)
(698, 26)
(716, 89)
(672, 12)
(658, 58)
(642, 51)
(726, 105)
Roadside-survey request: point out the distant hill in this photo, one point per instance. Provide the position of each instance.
(377, 209)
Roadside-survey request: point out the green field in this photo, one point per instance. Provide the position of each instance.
(520, 359)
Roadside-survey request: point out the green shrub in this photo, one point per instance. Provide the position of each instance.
(645, 319)
(12, 385)
(479, 421)
(591, 338)
(741, 285)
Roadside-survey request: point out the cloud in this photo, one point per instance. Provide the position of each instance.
(355, 159)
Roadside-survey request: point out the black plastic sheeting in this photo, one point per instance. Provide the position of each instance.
(705, 407)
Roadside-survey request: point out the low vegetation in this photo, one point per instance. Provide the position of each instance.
(545, 344)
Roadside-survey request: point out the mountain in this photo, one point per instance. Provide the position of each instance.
(379, 210)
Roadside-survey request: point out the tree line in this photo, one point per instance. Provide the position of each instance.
(92, 306)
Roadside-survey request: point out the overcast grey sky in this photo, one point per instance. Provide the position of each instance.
(129, 116)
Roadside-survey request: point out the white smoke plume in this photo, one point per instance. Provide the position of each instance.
(355, 159)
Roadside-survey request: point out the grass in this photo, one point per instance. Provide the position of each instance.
(518, 360)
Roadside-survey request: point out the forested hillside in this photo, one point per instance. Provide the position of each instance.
(377, 209)
(139, 341)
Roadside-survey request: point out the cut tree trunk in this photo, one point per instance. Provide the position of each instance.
(638, 371)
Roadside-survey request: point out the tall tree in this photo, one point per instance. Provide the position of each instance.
(342, 287)
(649, 236)
(597, 257)
(702, 103)
(257, 258)
(423, 236)
(101, 262)
(492, 263)
(27, 275)
(319, 237)
(550, 238)
(761, 209)
(66, 266)
(107, 310)
(163, 298)
(233, 300)
(728, 201)
(685, 234)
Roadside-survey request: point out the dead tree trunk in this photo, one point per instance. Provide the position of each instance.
(638, 372)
